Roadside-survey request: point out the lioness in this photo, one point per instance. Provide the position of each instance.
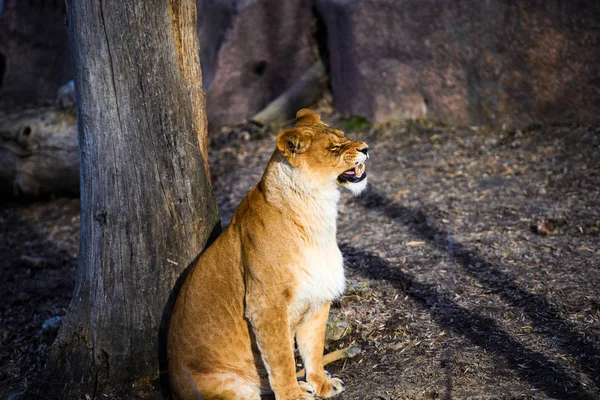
(270, 276)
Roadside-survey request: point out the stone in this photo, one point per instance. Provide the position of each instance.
(65, 96)
(34, 53)
(33, 261)
(337, 328)
(52, 324)
(466, 62)
(251, 51)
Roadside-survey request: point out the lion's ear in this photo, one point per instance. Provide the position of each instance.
(293, 141)
(306, 117)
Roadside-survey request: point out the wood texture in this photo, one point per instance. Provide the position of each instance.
(38, 153)
(147, 203)
(301, 94)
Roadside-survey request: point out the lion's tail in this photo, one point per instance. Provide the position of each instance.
(328, 358)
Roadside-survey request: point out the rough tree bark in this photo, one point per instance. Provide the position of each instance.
(147, 203)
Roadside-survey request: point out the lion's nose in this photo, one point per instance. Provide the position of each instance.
(365, 151)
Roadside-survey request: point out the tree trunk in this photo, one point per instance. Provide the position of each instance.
(147, 203)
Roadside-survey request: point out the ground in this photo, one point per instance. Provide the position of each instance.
(472, 262)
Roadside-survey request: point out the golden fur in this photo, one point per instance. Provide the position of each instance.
(269, 277)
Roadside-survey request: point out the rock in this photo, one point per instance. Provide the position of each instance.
(33, 261)
(337, 328)
(34, 52)
(52, 324)
(467, 62)
(251, 51)
(65, 96)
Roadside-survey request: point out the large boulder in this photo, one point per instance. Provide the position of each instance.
(466, 61)
(34, 52)
(251, 51)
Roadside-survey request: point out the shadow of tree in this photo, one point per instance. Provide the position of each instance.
(483, 331)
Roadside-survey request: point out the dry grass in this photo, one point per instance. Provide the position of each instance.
(473, 262)
(473, 259)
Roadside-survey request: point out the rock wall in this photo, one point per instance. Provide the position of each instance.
(251, 51)
(34, 52)
(467, 62)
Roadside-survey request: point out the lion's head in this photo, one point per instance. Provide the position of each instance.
(324, 155)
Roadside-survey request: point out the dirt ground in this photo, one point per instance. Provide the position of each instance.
(473, 262)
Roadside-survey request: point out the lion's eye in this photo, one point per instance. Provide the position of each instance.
(334, 148)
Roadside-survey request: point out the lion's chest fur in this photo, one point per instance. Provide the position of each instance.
(320, 279)
(307, 215)
(320, 271)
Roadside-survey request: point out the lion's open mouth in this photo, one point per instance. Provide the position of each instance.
(353, 175)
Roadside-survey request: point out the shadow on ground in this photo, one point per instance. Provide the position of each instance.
(482, 331)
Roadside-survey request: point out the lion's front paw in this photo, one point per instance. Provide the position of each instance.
(308, 389)
(331, 387)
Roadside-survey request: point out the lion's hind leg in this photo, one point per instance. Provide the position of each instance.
(221, 385)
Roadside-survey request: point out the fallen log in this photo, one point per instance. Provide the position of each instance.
(301, 94)
(38, 147)
(38, 153)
